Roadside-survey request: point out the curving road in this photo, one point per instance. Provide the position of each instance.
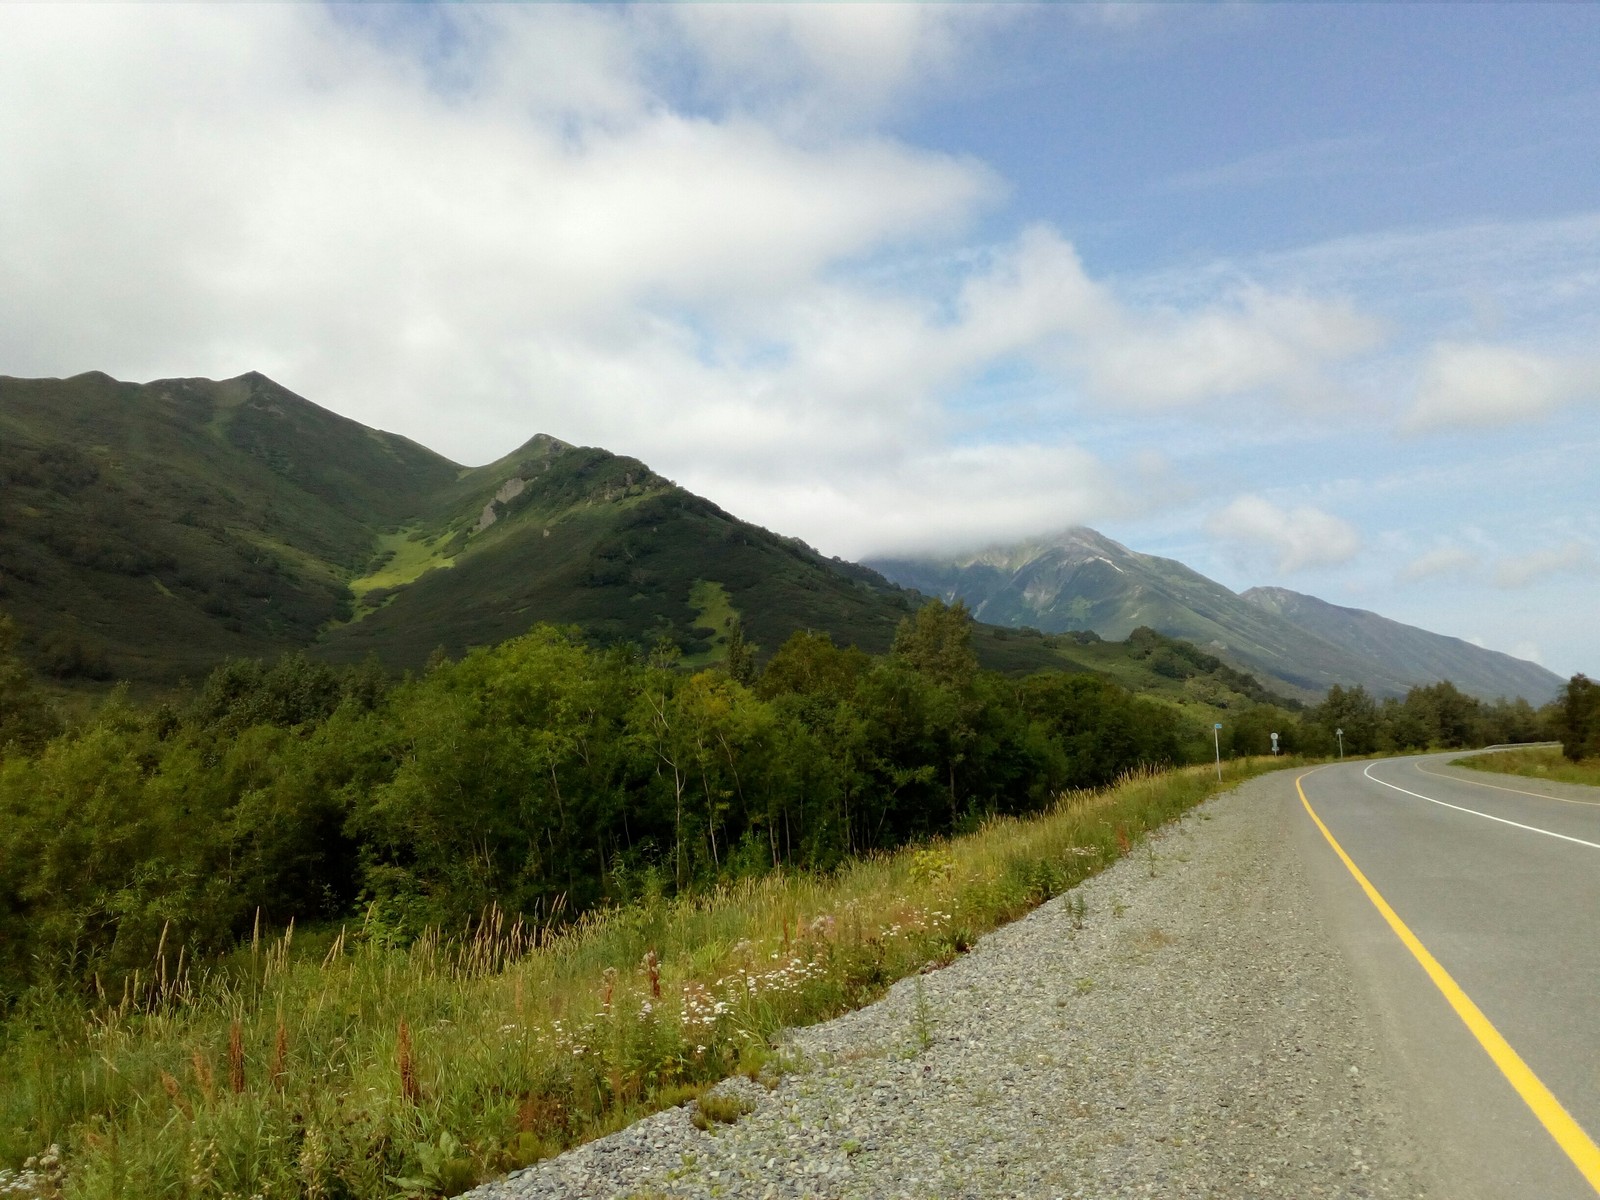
(1497, 880)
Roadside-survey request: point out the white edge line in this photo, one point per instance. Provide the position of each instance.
(1487, 817)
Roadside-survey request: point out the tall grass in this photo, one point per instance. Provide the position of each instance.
(1544, 762)
(374, 1071)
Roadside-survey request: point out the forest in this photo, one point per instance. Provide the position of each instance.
(548, 777)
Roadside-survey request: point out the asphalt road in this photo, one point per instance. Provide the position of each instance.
(1498, 879)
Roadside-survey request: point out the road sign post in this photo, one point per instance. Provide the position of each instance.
(1216, 740)
(1274, 745)
(1339, 733)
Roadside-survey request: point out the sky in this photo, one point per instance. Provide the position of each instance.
(1300, 295)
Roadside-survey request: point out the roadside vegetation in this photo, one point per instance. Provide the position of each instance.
(1545, 762)
(314, 931)
(362, 1068)
(1574, 720)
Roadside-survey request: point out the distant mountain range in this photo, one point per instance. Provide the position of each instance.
(150, 531)
(1082, 580)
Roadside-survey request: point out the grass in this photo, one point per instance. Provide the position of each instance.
(1544, 762)
(370, 1070)
(715, 614)
(713, 1110)
(405, 557)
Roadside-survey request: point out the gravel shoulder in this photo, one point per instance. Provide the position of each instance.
(1178, 1026)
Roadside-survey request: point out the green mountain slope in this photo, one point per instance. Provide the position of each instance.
(1424, 656)
(1081, 579)
(147, 531)
(577, 535)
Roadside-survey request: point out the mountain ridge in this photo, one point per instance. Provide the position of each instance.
(150, 531)
(1475, 669)
(1080, 579)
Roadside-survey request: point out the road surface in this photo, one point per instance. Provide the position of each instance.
(1497, 879)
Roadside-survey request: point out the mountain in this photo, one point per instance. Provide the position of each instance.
(577, 535)
(1082, 580)
(1485, 673)
(150, 531)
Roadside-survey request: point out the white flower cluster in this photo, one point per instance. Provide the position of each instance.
(701, 1010)
(915, 921)
(41, 1175)
(784, 978)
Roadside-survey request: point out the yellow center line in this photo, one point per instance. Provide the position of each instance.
(1497, 787)
(1568, 1134)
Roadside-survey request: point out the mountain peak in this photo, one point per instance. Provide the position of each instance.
(543, 444)
(1079, 579)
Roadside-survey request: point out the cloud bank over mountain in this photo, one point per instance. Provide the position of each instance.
(777, 252)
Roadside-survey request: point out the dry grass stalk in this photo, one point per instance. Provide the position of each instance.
(544, 1116)
(203, 1076)
(175, 1094)
(652, 969)
(406, 1064)
(161, 955)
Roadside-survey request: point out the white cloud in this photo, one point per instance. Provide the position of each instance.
(834, 62)
(1442, 562)
(1295, 538)
(473, 223)
(1479, 384)
(1528, 651)
(285, 197)
(1520, 570)
(1257, 341)
(936, 499)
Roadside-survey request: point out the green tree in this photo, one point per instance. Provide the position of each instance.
(936, 641)
(1353, 711)
(1578, 718)
(741, 662)
(27, 719)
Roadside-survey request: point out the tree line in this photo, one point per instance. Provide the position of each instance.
(547, 776)
(541, 775)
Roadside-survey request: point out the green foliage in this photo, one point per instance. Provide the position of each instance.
(360, 1069)
(1578, 719)
(936, 642)
(1438, 715)
(543, 776)
(1537, 762)
(27, 720)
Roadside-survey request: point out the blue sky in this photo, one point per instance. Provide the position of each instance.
(1299, 294)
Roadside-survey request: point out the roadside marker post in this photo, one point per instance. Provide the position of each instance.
(1216, 740)
(1274, 745)
(1339, 733)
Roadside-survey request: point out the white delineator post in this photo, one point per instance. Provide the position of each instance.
(1339, 733)
(1216, 741)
